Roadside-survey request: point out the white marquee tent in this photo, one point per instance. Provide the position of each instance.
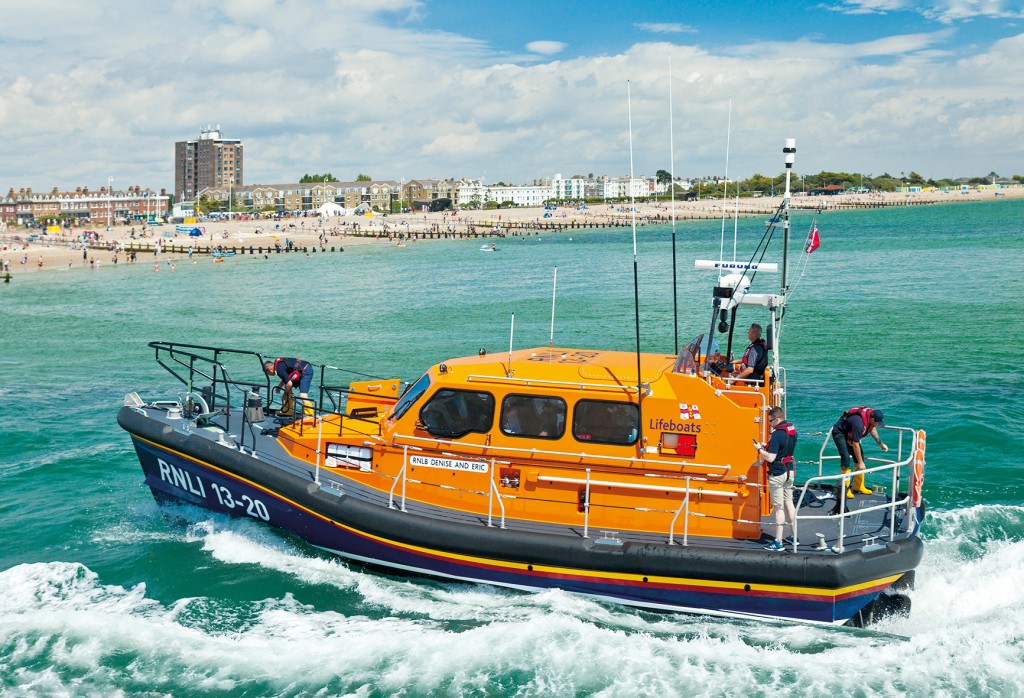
(332, 209)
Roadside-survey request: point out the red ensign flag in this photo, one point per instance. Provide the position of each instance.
(813, 241)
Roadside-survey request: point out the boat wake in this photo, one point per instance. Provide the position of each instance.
(339, 629)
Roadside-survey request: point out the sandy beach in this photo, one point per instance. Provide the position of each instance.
(63, 252)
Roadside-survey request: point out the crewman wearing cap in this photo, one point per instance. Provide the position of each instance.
(854, 425)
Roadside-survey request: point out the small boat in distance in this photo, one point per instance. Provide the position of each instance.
(221, 253)
(627, 477)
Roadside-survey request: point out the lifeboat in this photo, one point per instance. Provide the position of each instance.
(627, 477)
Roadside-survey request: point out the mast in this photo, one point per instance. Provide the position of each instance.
(672, 190)
(789, 150)
(725, 185)
(636, 284)
(554, 291)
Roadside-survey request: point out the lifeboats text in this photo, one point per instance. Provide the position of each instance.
(661, 424)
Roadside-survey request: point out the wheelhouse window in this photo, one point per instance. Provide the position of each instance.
(535, 416)
(455, 413)
(606, 422)
(411, 395)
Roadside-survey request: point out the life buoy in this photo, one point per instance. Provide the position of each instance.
(917, 475)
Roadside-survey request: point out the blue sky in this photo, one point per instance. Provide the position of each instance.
(510, 91)
(606, 27)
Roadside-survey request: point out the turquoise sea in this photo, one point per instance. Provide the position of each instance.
(102, 592)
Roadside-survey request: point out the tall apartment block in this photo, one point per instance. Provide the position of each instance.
(210, 161)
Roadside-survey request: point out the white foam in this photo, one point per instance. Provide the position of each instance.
(63, 629)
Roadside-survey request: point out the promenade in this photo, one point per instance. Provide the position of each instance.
(311, 235)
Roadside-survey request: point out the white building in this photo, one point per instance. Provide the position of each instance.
(519, 195)
(470, 190)
(624, 187)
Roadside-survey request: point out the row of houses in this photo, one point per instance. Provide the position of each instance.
(417, 194)
(26, 207)
(108, 205)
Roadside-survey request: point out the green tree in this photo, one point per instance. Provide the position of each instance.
(663, 176)
(309, 178)
(203, 205)
(363, 178)
(758, 182)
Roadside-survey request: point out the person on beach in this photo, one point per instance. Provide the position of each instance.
(778, 459)
(852, 426)
(292, 372)
(755, 358)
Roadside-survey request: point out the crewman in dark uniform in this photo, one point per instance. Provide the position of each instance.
(852, 426)
(292, 372)
(755, 358)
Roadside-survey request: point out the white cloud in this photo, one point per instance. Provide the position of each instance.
(318, 85)
(665, 28)
(546, 48)
(945, 11)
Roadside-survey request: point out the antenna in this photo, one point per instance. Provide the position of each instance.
(725, 185)
(636, 289)
(735, 223)
(672, 189)
(511, 333)
(554, 289)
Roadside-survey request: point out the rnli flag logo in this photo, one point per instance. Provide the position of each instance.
(688, 411)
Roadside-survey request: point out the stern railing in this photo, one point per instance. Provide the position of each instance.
(907, 447)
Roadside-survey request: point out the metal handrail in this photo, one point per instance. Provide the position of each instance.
(571, 454)
(491, 493)
(542, 382)
(899, 446)
(186, 356)
(842, 480)
(402, 479)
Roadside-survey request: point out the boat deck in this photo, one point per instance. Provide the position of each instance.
(858, 529)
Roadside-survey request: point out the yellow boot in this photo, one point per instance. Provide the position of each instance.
(849, 492)
(858, 485)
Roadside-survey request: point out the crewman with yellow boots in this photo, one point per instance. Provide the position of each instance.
(852, 426)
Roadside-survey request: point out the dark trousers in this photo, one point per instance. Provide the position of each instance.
(844, 450)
